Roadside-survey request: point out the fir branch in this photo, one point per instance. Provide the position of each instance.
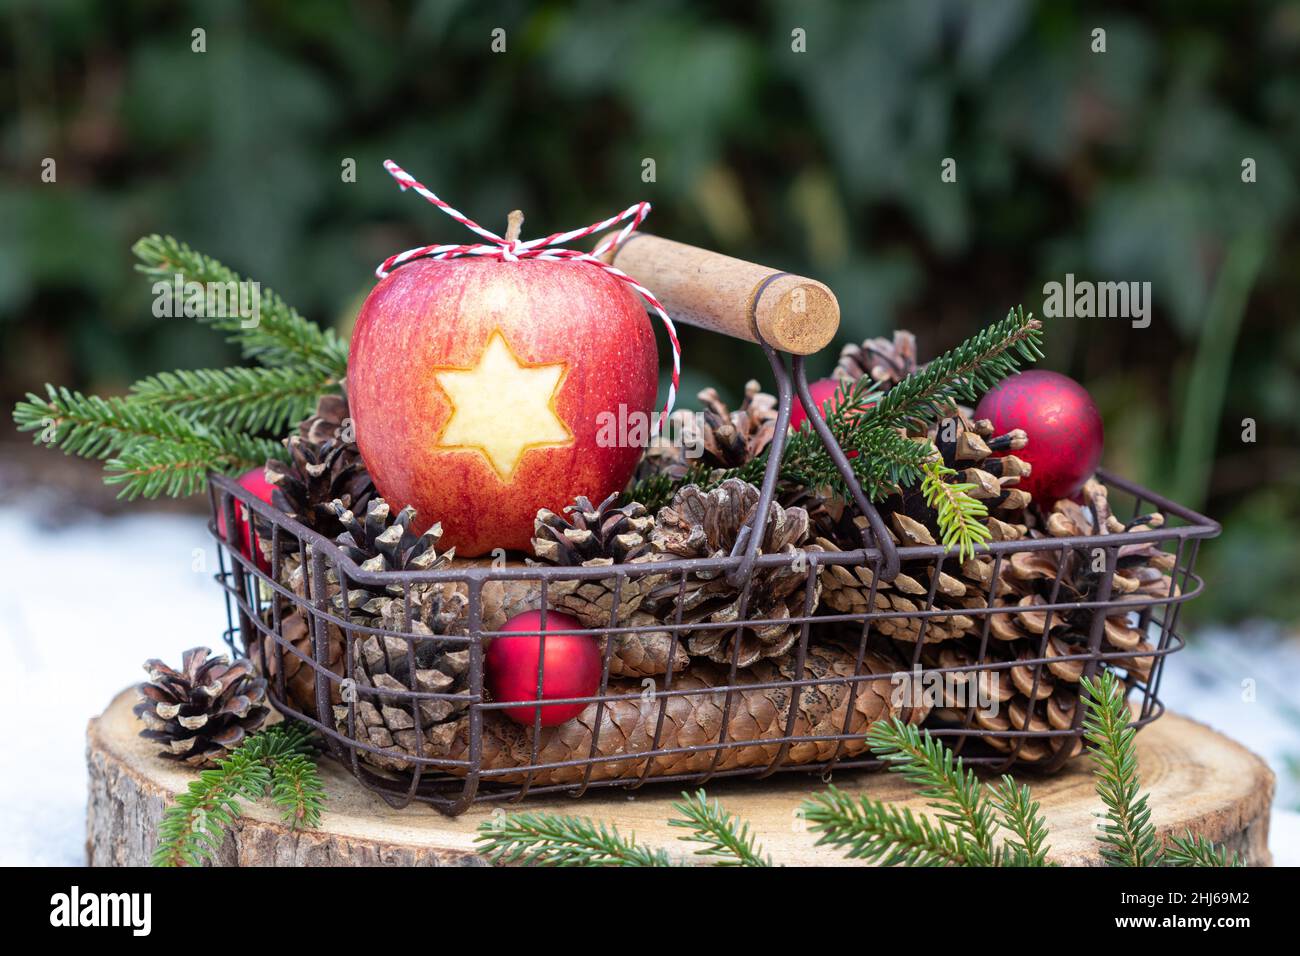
(544, 839)
(874, 425)
(1129, 839)
(1194, 850)
(1020, 817)
(249, 399)
(962, 374)
(878, 833)
(954, 791)
(725, 838)
(155, 450)
(149, 468)
(960, 516)
(281, 337)
(193, 827)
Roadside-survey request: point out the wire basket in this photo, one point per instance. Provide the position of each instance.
(496, 762)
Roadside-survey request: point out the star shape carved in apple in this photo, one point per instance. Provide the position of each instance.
(502, 408)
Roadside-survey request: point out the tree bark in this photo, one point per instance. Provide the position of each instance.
(1197, 779)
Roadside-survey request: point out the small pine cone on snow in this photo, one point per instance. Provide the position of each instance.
(605, 535)
(202, 711)
(702, 524)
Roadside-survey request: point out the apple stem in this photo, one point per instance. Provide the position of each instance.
(514, 222)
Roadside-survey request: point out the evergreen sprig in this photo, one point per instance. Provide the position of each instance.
(545, 839)
(278, 760)
(249, 399)
(873, 425)
(954, 791)
(962, 374)
(874, 831)
(1027, 844)
(725, 839)
(150, 450)
(175, 427)
(1129, 838)
(1193, 850)
(960, 515)
(281, 336)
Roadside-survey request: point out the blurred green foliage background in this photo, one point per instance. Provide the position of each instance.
(1123, 165)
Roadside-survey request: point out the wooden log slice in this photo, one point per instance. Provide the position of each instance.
(1197, 779)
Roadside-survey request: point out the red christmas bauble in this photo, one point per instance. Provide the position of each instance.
(483, 390)
(255, 482)
(1062, 422)
(823, 393)
(572, 667)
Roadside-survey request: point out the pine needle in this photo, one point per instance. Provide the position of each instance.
(954, 791)
(879, 833)
(1190, 850)
(155, 450)
(281, 337)
(544, 839)
(278, 759)
(725, 839)
(1020, 816)
(1129, 838)
(246, 399)
(961, 516)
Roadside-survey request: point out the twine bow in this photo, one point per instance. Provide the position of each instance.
(512, 250)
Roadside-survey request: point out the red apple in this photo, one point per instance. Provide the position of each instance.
(483, 390)
(255, 482)
(572, 667)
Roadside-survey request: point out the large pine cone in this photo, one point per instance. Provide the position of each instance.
(426, 663)
(202, 711)
(605, 535)
(701, 524)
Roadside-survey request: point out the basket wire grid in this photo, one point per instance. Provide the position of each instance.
(257, 602)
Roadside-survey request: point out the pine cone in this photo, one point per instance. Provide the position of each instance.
(1022, 704)
(602, 536)
(299, 675)
(379, 542)
(724, 438)
(384, 542)
(1028, 581)
(707, 524)
(424, 663)
(886, 361)
(322, 467)
(758, 714)
(202, 711)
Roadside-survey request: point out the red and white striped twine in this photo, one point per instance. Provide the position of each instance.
(506, 250)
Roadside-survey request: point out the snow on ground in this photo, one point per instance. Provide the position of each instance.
(87, 603)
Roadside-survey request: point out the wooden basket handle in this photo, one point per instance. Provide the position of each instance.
(737, 298)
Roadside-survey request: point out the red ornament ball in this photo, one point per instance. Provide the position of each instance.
(572, 667)
(823, 393)
(255, 482)
(1063, 425)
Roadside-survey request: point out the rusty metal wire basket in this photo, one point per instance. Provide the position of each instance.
(257, 605)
